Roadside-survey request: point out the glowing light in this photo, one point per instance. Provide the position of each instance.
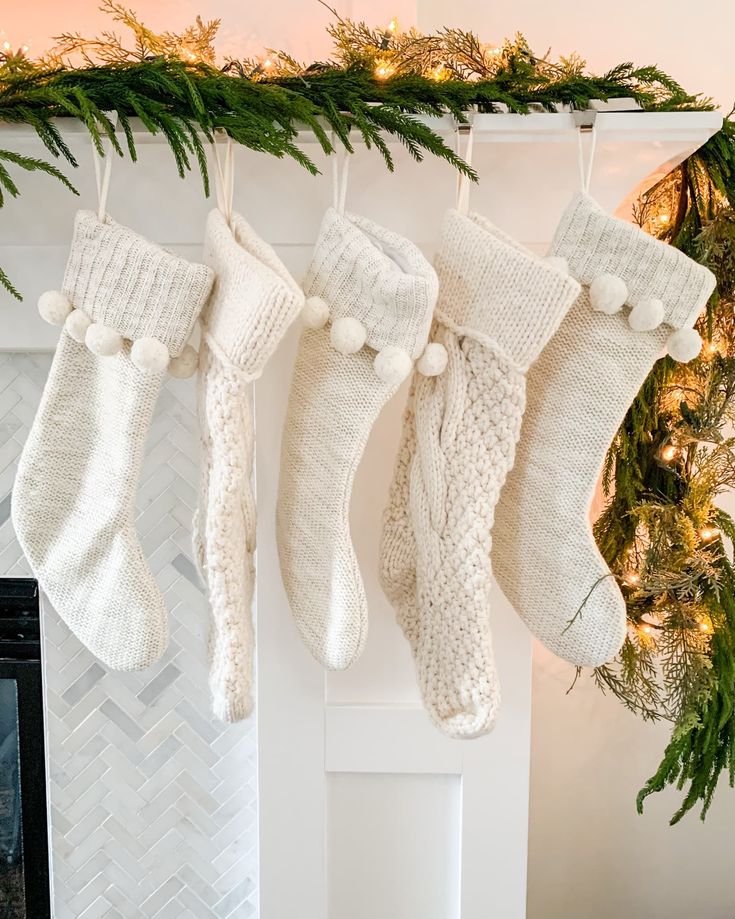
(704, 626)
(632, 578)
(392, 25)
(707, 534)
(647, 629)
(25, 49)
(6, 46)
(267, 63)
(438, 72)
(383, 71)
(669, 452)
(664, 219)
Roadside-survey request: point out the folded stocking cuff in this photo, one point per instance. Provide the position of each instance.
(365, 272)
(597, 246)
(254, 298)
(132, 286)
(493, 289)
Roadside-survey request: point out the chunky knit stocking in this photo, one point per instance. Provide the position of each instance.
(377, 292)
(127, 307)
(253, 302)
(498, 305)
(546, 560)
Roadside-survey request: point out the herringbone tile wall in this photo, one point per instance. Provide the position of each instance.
(153, 802)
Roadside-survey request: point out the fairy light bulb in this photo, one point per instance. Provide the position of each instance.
(707, 534)
(669, 453)
(632, 578)
(704, 626)
(392, 25)
(267, 63)
(646, 629)
(6, 46)
(382, 71)
(664, 219)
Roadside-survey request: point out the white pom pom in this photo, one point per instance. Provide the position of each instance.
(646, 315)
(608, 293)
(149, 354)
(433, 361)
(185, 365)
(347, 335)
(102, 340)
(684, 345)
(558, 262)
(393, 364)
(315, 313)
(77, 323)
(54, 307)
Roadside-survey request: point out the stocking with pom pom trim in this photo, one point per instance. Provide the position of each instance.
(546, 560)
(375, 293)
(498, 306)
(73, 498)
(253, 302)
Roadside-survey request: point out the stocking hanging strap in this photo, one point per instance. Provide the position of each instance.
(463, 181)
(340, 175)
(102, 176)
(224, 178)
(585, 169)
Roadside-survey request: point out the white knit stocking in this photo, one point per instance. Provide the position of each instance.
(377, 292)
(545, 558)
(128, 307)
(498, 305)
(253, 302)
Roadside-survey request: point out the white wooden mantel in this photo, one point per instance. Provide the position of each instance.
(366, 811)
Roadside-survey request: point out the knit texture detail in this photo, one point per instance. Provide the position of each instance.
(594, 243)
(131, 285)
(546, 560)
(74, 494)
(254, 299)
(372, 274)
(334, 401)
(496, 290)
(458, 443)
(253, 302)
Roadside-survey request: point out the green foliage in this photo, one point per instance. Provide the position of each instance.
(661, 522)
(169, 82)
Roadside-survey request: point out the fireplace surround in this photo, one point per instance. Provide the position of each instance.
(24, 849)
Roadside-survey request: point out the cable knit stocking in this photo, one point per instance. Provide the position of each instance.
(498, 306)
(546, 560)
(128, 307)
(253, 302)
(377, 292)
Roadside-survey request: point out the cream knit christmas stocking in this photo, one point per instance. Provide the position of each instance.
(128, 307)
(498, 306)
(377, 293)
(253, 302)
(546, 560)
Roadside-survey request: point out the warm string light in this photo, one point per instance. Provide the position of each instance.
(632, 578)
(669, 453)
(709, 534)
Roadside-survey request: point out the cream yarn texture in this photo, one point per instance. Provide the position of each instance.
(366, 273)
(74, 495)
(498, 305)
(253, 302)
(545, 557)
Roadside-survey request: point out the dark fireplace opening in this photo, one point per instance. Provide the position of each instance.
(24, 851)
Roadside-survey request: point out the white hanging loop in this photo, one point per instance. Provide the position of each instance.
(102, 178)
(463, 181)
(586, 125)
(224, 178)
(340, 175)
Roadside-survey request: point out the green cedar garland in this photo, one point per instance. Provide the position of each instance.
(660, 532)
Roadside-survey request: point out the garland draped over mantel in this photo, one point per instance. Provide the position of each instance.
(661, 531)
